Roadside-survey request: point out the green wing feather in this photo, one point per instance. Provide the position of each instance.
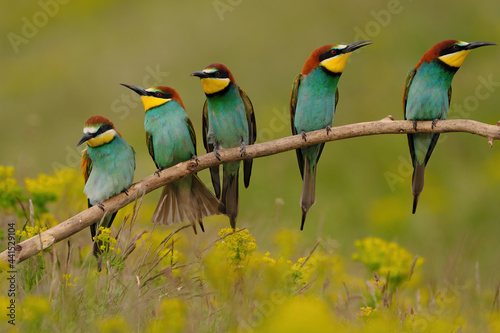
(192, 133)
(252, 135)
(214, 171)
(409, 79)
(293, 105)
(336, 97)
(149, 143)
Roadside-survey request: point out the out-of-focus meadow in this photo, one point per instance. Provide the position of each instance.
(62, 61)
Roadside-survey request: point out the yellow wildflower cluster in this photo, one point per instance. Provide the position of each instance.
(237, 246)
(10, 192)
(267, 259)
(382, 257)
(42, 190)
(29, 232)
(297, 271)
(108, 242)
(68, 281)
(365, 312)
(47, 188)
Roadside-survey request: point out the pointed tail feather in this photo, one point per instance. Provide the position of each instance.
(417, 183)
(179, 203)
(229, 200)
(207, 203)
(308, 196)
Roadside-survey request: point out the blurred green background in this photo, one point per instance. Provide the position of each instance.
(61, 64)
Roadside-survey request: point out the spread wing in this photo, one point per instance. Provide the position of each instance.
(214, 171)
(149, 143)
(293, 105)
(252, 135)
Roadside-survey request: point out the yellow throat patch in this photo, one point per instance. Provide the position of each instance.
(150, 102)
(102, 138)
(454, 59)
(212, 86)
(336, 64)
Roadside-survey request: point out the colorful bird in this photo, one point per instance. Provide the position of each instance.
(312, 107)
(171, 139)
(427, 96)
(228, 121)
(108, 165)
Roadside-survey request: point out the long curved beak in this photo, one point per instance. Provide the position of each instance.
(356, 45)
(200, 74)
(138, 90)
(474, 45)
(85, 137)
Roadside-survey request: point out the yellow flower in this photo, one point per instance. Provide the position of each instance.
(108, 242)
(237, 245)
(267, 259)
(365, 312)
(29, 231)
(382, 257)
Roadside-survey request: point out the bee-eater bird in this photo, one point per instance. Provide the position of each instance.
(171, 139)
(427, 96)
(228, 121)
(312, 107)
(108, 165)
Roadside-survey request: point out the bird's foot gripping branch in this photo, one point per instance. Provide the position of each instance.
(84, 219)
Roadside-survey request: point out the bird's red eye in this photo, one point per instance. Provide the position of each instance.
(455, 47)
(158, 94)
(217, 74)
(333, 52)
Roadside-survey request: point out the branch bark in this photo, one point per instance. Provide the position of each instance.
(63, 230)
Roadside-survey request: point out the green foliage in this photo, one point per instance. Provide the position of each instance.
(10, 192)
(386, 259)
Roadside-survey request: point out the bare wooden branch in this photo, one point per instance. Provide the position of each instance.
(387, 125)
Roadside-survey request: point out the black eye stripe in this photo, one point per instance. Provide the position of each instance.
(102, 129)
(159, 94)
(452, 49)
(329, 54)
(219, 75)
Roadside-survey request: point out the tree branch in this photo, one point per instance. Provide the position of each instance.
(387, 125)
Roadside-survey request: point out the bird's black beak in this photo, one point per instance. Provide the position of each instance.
(138, 90)
(354, 46)
(200, 74)
(474, 45)
(85, 137)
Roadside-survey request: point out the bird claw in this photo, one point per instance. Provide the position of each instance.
(125, 191)
(434, 122)
(415, 125)
(328, 129)
(216, 152)
(100, 205)
(243, 149)
(304, 137)
(157, 172)
(195, 158)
